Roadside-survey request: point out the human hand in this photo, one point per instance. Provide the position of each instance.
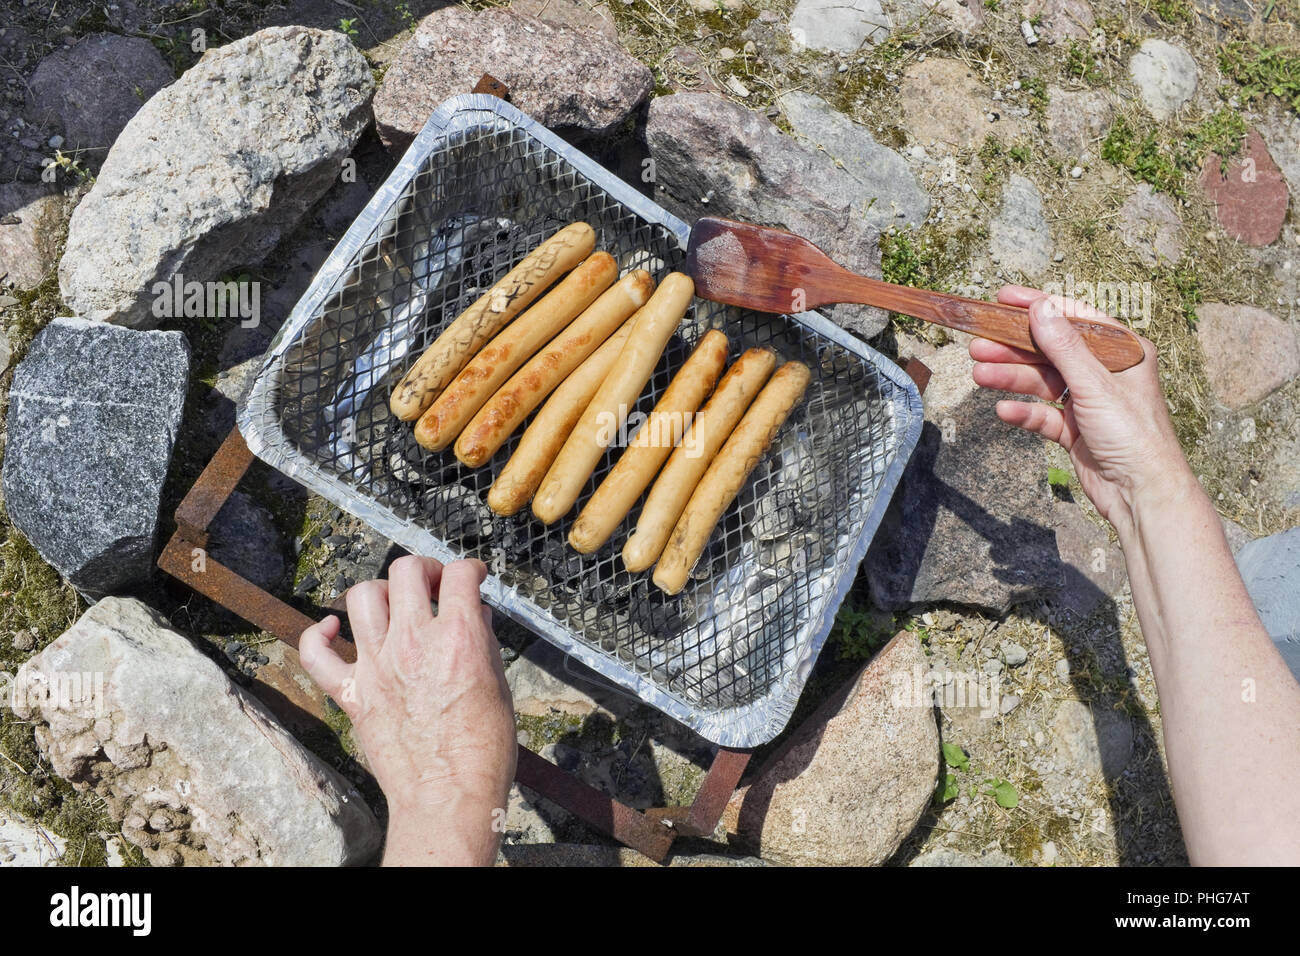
(429, 706)
(1115, 425)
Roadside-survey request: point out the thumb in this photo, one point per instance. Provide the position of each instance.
(330, 672)
(1064, 347)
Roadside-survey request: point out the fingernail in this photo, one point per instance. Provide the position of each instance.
(1048, 311)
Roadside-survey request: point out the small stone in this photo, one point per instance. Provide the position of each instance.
(1014, 654)
(1009, 703)
(1165, 76)
(1063, 669)
(726, 53)
(993, 667)
(1019, 234)
(30, 219)
(23, 640)
(942, 102)
(1076, 119)
(1059, 19)
(1076, 172)
(838, 25)
(1150, 225)
(307, 585)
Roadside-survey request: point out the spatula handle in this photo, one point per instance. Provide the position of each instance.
(1116, 348)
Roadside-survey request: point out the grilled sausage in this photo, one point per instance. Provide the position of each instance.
(655, 323)
(545, 435)
(689, 461)
(499, 359)
(653, 444)
(497, 420)
(728, 473)
(494, 309)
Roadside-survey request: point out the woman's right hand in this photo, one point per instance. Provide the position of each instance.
(1115, 425)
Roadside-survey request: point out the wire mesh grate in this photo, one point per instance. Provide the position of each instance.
(758, 603)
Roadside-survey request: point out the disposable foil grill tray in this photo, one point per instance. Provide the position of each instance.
(482, 185)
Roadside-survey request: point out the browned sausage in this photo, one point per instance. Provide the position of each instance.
(662, 430)
(545, 435)
(474, 385)
(728, 473)
(505, 411)
(655, 323)
(691, 458)
(494, 309)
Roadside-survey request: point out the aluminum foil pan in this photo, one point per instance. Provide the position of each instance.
(481, 185)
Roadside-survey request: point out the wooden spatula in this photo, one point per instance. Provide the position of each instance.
(770, 270)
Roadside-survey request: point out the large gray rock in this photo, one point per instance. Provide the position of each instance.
(714, 157)
(1165, 76)
(214, 169)
(563, 78)
(891, 192)
(852, 782)
(195, 769)
(1271, 569)
(29, 219)
(972, 521)
(1019, 237)
(93, 414)
(90, 90)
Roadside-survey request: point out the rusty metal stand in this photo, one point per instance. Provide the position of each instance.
(185, 558)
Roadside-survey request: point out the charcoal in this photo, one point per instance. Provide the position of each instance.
(456, 512)
(777, 513)
(655, 612)
(558, 561)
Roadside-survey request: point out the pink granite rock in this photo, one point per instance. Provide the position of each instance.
(1249, 194)
(1248, 352)
(854, 779)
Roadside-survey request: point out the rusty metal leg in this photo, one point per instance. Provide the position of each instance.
(630, 827)
(719, 784)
